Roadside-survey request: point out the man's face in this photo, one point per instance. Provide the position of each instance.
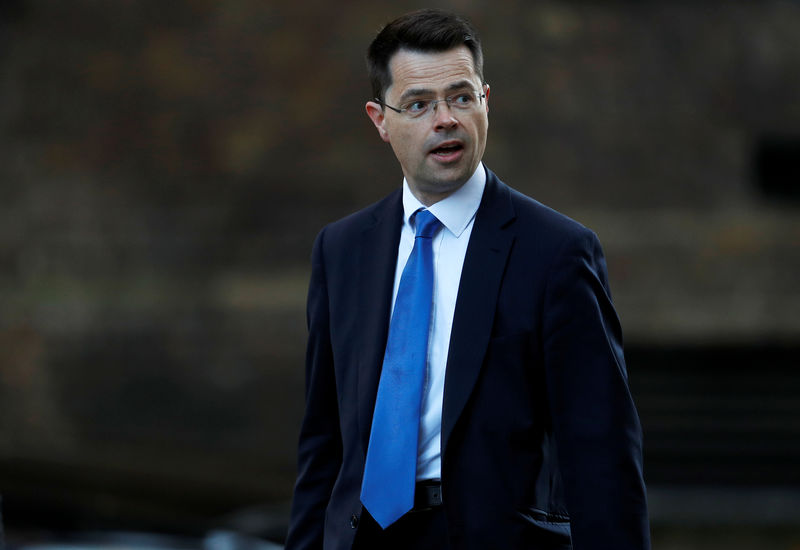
(440, 150)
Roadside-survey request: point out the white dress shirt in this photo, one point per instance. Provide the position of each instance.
(457, 214)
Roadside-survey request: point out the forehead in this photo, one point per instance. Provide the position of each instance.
(430, 70)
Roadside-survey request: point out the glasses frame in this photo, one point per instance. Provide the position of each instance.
(433, 102)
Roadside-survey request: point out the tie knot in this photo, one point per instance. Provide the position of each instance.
(427, 224)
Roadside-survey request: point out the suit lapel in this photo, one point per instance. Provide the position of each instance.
(376, 264)
(484, 265)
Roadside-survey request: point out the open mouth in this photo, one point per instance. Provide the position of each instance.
(447, 149)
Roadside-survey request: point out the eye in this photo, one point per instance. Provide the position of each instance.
(464, 99)
(417, 107)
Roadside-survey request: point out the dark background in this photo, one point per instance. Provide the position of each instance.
(165, 166)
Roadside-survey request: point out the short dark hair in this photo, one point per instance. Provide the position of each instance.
(427, 30)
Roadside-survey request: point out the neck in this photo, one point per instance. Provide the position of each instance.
(429, 198)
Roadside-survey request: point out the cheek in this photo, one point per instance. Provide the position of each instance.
(406, 144)
(482, 125)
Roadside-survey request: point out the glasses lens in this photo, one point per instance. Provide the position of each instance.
(462, 100)
(417, 107)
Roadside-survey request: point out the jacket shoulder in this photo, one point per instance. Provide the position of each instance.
(354, 224)
(539, 221)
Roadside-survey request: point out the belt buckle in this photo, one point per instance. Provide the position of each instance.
(427, 496)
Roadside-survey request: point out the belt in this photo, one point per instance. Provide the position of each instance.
(427, 494)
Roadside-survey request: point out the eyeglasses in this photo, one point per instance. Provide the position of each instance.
(416, 108)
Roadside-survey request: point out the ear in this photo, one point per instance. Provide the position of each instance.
(375, 114)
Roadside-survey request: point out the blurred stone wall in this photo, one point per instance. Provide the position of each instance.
(165, 167)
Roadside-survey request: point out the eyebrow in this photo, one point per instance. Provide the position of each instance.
(417, 92)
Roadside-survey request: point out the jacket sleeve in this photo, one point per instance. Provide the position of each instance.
(320, 448)
(596, 426)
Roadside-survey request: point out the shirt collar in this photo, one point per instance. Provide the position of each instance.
(454, 211)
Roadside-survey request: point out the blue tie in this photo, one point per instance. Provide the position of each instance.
(387, 490)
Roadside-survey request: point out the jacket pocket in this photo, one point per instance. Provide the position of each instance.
(550, 529)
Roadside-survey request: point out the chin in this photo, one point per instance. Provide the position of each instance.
(444, 186)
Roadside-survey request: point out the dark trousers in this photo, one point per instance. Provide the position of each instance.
(417, 530)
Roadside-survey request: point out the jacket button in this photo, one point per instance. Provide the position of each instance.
(353, 521)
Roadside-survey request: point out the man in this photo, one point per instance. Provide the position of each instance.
(502, 365)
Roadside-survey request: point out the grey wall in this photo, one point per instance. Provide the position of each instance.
(165, 166)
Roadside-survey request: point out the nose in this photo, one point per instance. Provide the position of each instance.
(443, 116)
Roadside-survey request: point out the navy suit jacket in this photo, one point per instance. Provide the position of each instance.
(541, 442)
